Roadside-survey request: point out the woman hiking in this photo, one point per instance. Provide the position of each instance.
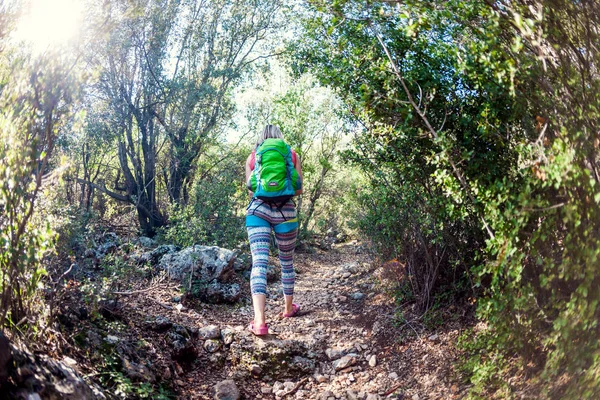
(273, 176)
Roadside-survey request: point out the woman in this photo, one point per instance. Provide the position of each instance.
(264, 216)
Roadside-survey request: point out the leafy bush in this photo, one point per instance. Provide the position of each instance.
(34, 108)
(215, 213)
(481, 144)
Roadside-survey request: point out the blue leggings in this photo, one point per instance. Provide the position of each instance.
(260, 239)
(261, 219)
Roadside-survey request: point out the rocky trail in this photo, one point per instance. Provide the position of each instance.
(343, 344)
(347, 342)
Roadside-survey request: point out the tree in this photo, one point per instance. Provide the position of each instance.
(168, 68)
(312, 121)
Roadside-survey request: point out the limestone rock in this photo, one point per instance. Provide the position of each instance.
(334, 353)
(161, 324)
(209, 332)
(146, 241)
(35, 374)
(303, 364)
(255, 369)
(227, 336)
(326, 395)
(345, 362)
(110, 339)
(357, 296)
(110, 242)
(216, 292)
(183, 349)
(373, 361)
(288, 385)
(277, 386)
(243, 262)
(266, 390)
(212, 345)
(281, 358)
(208, 263)
(227, 390)
(155, 255)
(351, 394)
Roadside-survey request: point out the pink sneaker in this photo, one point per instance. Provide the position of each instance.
(295, 309)
(258, 330)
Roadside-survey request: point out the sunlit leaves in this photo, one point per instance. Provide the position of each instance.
(513, 89)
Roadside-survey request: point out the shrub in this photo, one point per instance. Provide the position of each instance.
(34, 108)
(215, 212)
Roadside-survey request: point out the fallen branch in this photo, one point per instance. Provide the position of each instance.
(141, 290)
(392, 390)
(163, 305)
(292, 390)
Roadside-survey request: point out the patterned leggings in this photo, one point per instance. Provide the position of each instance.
(260, 239)
(261, 219)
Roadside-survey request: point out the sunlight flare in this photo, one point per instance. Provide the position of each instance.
(48, 24)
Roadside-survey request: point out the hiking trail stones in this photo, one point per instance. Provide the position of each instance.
(227, 335)
(281, 358)
(209, 332)
(35, 374)
(211, 269)
(206, 263)
(345, 362)
(335, 353)
(227, 390)
(373, 361)
(212, 345)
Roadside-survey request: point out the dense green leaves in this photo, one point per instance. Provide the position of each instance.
(34, 107)
(480, 113)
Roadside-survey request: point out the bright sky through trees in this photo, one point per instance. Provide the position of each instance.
(45, 24)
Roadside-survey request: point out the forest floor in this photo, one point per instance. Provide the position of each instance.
(349, 340)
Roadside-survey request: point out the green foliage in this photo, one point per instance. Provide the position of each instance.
(481, 151)
(214, 215)
(411, 205)
(34, 107)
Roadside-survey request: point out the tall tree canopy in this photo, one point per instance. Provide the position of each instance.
(166, 72)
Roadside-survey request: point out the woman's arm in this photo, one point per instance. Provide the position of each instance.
(298, 167)
(248, 173)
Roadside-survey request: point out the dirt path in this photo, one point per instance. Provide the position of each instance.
(349, 340)
(346, 342)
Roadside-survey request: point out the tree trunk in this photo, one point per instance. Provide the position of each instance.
(315, 195)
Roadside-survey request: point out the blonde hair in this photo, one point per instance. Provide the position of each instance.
(270, 132)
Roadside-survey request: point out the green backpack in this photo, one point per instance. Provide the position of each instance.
(274, 179)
